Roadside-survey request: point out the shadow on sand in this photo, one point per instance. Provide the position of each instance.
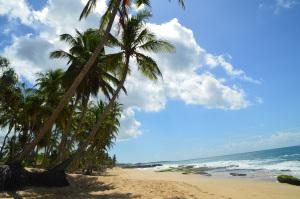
(80, 187)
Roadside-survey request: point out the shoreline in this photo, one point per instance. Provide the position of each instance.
(137, 183)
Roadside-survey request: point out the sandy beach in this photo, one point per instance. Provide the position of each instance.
(135, 183)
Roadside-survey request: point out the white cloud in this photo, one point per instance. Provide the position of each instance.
(182, 80)
(29, 55)
(206, 90)
(16, 10)
(215, 61)
(130, 126)
(143, 94)
(52, 20)
(191, 54)
(285, 4)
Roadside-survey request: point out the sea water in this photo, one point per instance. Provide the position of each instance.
(265, 164)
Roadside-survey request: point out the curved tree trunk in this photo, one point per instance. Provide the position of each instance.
(71, 91)
(64, 138)
(98, 124)
(62, 144)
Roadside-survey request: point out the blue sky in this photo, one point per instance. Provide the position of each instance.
(259, 104)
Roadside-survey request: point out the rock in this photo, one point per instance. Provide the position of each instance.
(288, 179)
(238, 174)
(138, 165)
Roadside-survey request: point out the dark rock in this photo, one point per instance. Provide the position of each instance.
(285, 170)
(139, 165)
(238, 174)
(289, 180)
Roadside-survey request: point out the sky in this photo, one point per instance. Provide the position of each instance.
(231, 86)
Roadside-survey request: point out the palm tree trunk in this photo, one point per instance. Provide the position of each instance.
(64, 138)
(62, 145)
(4, 141)
(65, 99)
(98, 124)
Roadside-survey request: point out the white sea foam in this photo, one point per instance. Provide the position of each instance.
(269, 165)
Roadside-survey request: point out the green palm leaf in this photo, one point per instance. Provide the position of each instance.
(148, 66)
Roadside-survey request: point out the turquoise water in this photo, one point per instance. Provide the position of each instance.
(266, 164)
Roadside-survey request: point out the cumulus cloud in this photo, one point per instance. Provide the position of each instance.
(130, 126)
(56, 18)
(16, 10)
(182, 79)
(191, 54)
(29, 55)
(285, 4)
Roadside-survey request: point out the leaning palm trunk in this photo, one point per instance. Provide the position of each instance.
(65, 99)
(64, 138)
(62, 144)
(99, 123)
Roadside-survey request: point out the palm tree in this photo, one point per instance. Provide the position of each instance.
(112, 10)
(135, 39)
(104, 137)
(100, 75)
(106, 25)
(50, 89)
(9, 99)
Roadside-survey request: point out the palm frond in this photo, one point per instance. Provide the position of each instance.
(115, 81)
(113, 59)
(157, 46)
(68, 38)
(88, 8)
(105, 18)
(144, 35)
(60, 54)
(148, 66)
(142, 15)
(142, 2)
(113, 41)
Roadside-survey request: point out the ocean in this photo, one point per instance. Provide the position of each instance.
(265, 164)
